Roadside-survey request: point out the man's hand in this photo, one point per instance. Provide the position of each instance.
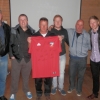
(50, 27)
(29, 39)
(12, 57)
(60, 38)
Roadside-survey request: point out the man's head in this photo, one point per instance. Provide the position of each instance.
(23, 21)
(43, 25)
(1, 16)
(57, 21)
(94, 22)
(79, 26)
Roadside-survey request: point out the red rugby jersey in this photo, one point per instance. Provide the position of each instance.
(45, 56)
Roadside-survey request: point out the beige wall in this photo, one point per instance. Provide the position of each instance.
(89, 8)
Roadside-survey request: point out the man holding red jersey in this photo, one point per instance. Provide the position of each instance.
(43, 32)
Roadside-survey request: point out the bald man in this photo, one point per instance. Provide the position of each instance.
(79, 44)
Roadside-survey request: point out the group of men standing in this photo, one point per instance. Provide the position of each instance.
(78, 40)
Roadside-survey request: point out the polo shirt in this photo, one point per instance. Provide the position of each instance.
(45, 56)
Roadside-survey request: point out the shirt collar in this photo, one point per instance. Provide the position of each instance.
(81, 33)
(96, 31)
(93, 32)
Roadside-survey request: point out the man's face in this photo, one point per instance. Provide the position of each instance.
(79, 26)
(94, 24)
(57, 22)
(43, 25)
(23, 22)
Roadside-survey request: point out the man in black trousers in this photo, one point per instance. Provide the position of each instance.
(43, 32)
(95, 55)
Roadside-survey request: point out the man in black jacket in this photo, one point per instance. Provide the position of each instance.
(95, 55)
(43, 32)
(20, 57)
(43, 25)
(4, 48)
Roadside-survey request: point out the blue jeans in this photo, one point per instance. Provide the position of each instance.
(3, 73)
(77, 67)
(62, 62)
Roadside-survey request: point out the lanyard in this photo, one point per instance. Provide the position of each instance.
(74, 39)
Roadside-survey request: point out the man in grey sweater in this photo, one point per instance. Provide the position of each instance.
(79, 44)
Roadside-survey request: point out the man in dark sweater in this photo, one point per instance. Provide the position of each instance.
(43, 32)
(20, 57)
(59, 30)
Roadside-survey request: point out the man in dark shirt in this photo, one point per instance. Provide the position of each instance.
(20, 57)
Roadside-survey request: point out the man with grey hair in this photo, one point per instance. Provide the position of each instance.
(4, 48)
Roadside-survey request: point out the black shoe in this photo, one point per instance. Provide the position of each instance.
(3, 98)
(92, 96)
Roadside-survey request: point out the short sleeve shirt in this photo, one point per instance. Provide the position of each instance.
(45, 56)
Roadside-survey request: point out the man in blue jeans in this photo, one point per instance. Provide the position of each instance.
(4, 48)
(59, 30)
(79, 44)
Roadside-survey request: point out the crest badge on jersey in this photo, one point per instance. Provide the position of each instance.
(51, 44)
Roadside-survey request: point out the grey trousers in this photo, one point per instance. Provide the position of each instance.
(77, 68)
(22, 68)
